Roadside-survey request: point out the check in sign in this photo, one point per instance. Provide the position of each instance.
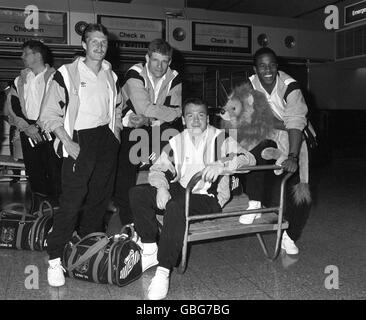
(132, 30)
(355, 12)
(213, 37)
(52, 26)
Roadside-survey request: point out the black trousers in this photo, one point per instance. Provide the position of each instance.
(144, 209)
(127, 168)
(265, 186)
(42, 166)
(87, 185)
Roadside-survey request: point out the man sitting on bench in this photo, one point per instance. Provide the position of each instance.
(200, 147)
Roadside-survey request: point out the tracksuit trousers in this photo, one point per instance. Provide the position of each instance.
(265, 186)
(42, 166)
(144, 209)
(87, 185)
(127, 168)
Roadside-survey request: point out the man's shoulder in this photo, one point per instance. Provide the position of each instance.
(285, 78)
(136, 72)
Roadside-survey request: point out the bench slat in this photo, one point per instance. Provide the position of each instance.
(232, 230)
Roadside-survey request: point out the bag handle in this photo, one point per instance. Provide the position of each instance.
(127, 232)
(110, 265)
(90, 252)
(42, 205)
(10, 208)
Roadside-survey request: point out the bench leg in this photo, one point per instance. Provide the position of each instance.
(263, 245)
(183, 263)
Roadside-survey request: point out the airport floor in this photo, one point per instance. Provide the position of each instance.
(331, 264)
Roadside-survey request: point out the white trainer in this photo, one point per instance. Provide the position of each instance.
(159, 285)
(288, 245)
(55, 273)
(249, 218)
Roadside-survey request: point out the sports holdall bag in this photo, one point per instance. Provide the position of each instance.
(102, 259)
(21, 230)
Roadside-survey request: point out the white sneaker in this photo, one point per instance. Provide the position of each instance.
(149, 258)
(249, 218)
(159, 285)
(55, 273)
(288, 245)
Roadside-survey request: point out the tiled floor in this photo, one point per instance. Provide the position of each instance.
(235, 268)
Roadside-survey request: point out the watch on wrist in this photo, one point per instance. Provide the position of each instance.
(293, 156)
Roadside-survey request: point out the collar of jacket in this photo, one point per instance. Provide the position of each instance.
(283, 79)
(24, 73)
(169, 76)
(74, 71)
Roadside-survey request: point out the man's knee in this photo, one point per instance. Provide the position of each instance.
(175, 209)
(137, 193)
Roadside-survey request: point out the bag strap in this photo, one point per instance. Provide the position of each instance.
(90, 252)
(41, 213)
(110, 264)
(11, 206)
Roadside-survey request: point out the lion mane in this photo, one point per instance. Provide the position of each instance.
(261, 124)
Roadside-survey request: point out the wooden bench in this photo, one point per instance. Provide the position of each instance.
(226, 223)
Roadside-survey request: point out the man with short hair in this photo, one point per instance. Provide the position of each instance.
(289, 113)
(84, 111)
(42, 165)
(152, 94)
(200, 147)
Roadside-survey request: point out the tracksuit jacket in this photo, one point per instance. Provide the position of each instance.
(219, 148)
(293, 108)
(16, 102)
(139, 97)
(61, 104)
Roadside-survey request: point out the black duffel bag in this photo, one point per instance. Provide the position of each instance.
(102, 259)
(21, 230)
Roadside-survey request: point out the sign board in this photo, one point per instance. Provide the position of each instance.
(221, 37)
(133, 32)
(355, 12)
(52, 26)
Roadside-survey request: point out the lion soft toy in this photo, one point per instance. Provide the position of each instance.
(248, 111)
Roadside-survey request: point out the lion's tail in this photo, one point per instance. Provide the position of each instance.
(301, 193)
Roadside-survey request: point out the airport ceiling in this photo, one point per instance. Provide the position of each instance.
(281, 8)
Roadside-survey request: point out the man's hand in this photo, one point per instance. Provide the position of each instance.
(162, 197)
(138, 120)
(212, 171)
(290, 164)
(32, 132)
(72, 149)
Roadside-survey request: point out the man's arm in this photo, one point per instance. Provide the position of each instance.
(157, 178)
(72, 148)
(18, 118)
(53, 106)
(53, 114)
(234, 157)
(295, 139)
(142, 103)
(295, 122)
